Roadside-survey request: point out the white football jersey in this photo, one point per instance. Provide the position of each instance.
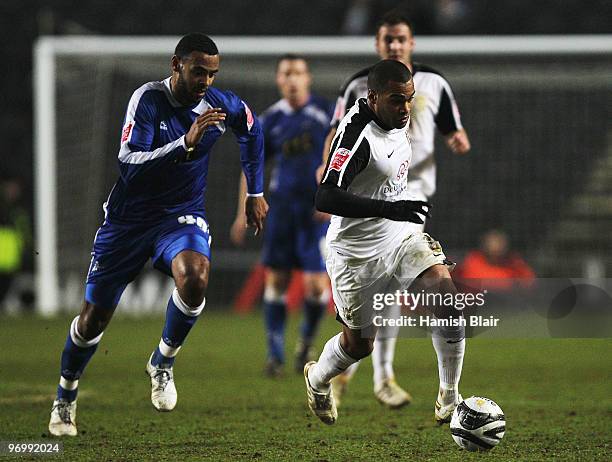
(370, 162)
(434, 106)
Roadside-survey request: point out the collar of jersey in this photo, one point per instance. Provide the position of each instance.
(199, 108)
(363, 105)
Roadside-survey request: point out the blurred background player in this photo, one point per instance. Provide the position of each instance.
(15, 233)
(372, 249)
(156, 210)
(434, 106)
(494, 262)
(294, 130)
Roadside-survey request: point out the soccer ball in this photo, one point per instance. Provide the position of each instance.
(478, 424)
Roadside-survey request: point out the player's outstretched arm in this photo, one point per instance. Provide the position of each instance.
(337, 201)
(458, 142)
(250, 138)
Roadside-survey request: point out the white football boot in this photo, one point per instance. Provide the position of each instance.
(390, 394)
(63, 418)
(321, 404)
(163, 391)
(444, 412)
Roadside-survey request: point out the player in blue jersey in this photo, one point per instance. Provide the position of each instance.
(156, 210)
(295, 128)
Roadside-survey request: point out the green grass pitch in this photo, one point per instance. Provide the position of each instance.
(556, 394)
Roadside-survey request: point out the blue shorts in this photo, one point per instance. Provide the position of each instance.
(292, 237)
(120, 251)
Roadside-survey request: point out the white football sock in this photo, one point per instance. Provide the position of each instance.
(382, 359)
(450, 352)
(350, 371)
(168, 351)
(333, 361)
(384, 347)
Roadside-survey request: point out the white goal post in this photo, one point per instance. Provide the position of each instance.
(47, 50)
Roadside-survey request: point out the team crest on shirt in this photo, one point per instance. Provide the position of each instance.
(339, 159)
(250, 121)
(401, 171)
(125, 135)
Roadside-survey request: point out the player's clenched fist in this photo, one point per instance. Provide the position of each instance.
(405, 211)
(458, 142)
(201, 122)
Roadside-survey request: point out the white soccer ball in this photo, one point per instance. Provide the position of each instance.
(478, 424)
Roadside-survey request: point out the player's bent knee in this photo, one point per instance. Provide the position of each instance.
(362, 349)
(436, 272)
(358, 347)
(188, 309)
(437, 278)
(192, 289)
(316, 287)
(274, 294)
(92, 321)
(277, 282)
(86, 333)
(316, 293)
(191, 278)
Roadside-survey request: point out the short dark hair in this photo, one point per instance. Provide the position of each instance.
(393, 18)
(385, 71)
(290, 57)
(195, 42)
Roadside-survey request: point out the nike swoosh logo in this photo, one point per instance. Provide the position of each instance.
(389, 155)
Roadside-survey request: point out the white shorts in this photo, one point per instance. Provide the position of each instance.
(354, 283)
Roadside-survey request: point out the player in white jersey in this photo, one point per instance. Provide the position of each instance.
(372, 248)
(434, 107)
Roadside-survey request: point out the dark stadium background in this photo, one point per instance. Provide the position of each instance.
(537, 146)
(486, 182)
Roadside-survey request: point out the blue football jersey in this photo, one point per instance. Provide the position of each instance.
(157, 176)
(294, 141)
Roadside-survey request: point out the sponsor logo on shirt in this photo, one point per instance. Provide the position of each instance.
(402, 170)
(339, 159)
(250, 121)
(125, 135)
(395, 189)
(163, 126)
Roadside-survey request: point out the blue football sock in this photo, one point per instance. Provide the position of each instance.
(275, 314)
(68, 395)
(180, 318)
(158, 359)
(313, 312)
(77, 353)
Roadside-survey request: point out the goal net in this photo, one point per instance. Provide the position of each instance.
(536, 109)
